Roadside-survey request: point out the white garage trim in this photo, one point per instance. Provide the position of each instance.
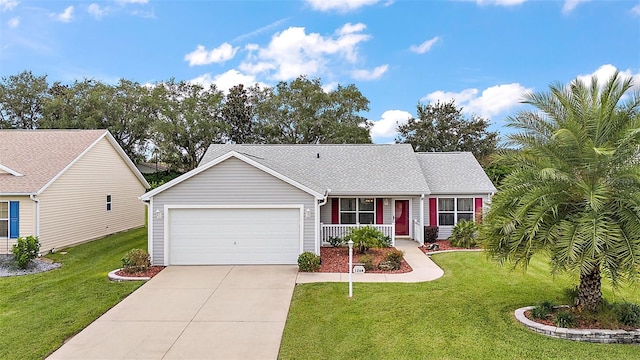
(167, 208)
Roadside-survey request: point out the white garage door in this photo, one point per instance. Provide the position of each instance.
(234, 236)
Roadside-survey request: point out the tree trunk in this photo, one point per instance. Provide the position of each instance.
(590, 292)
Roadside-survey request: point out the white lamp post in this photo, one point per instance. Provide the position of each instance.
(350, 268)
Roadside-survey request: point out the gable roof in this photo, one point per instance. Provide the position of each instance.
(42, 156)
(454, 173)
(352, 169)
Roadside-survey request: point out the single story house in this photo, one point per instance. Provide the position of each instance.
(265, 204)
(66, 187)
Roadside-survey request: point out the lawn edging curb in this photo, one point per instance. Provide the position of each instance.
(113, 277)
(601, 336)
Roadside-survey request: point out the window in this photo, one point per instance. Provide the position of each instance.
(4, 219)
(108, 202)
(357, 211)
(452, 210)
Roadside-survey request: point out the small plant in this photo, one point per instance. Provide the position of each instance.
(565, 319)
(308, 262)
(542, 310)
(367, 262)
(395, 257)
(571, 294)
(136, 260)
(367, 237)
(335, 241)
(25, 250)
(431, 234)
(464, 234)
(628, 314)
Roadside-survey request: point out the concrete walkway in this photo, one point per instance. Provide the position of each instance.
(193, 312)
(423, 269)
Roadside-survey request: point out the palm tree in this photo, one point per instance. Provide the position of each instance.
(575, 193)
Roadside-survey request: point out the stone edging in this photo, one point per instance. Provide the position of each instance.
(586, 335)
(113, 277)
(453, 250)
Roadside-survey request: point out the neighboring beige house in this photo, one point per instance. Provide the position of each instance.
(66, 187)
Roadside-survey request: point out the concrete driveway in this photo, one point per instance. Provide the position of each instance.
(193, 312)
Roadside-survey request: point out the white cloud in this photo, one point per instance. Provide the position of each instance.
(226, 80)
(64, 16)
(132, 1)
(7, 5)
(500, 2)
(425, 46)
(200, 56)
(13, 22)
(339, 5)
(636, 10)
(260, 30)
(364, 74)
(293, 52)
(492, 101)
(96, 11)
(604, 73)
(569, 5)
(388, 123)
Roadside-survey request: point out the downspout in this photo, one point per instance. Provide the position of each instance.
(318, 224)
(421, 235)
(37, 201)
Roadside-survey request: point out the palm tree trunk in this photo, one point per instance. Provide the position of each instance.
(590, 292)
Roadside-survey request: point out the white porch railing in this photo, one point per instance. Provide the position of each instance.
(417, 232)
(341, 230)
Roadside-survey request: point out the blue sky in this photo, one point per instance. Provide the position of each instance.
(483, 53)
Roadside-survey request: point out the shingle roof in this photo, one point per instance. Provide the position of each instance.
(454, 173)
(40, 155)
(365, 169)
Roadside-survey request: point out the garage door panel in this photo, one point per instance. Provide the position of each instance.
(234, 236)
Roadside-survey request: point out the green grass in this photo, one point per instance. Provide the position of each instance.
(37, 312)
(467, 314)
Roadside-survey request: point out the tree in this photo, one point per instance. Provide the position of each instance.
(21, 100)
(187, 120)
(301, 112)
(575, 189)
(443, 127)
(239, 113)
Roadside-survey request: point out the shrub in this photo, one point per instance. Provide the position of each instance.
(464, 234)
(431, 234)
(25, 250)
(335, 241)
(395, 256)
(308, 262)
(628, 314)
(367, 237)
(571, 294)
(367, 262)
(542, 310)
(136, 260)
(565, 319)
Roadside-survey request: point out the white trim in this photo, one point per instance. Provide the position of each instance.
(420, 237)
(115, 145)
(167, 209)
(455, 206)
(393, 213)
(357, 211)
(149, 206)
(10, 171)
(222, 158)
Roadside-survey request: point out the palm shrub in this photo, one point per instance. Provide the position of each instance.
(367, 237)
(464, 234)
(573, 193)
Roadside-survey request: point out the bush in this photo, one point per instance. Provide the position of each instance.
(395, 256)
(542, 310)
(335, 241)
(25, 250)
(571, 294)
(367, 262)
(431, 234)
(136, 260)
(464, 234)
(628, 314)
(565, 319)
(367, 237)
(308, 262)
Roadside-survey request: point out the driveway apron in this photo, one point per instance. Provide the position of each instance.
(193, 312)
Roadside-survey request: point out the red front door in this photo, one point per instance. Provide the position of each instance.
(402, 217)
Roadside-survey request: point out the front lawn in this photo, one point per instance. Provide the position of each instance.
(467, 314)
(37, 312)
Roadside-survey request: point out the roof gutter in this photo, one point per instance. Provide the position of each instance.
(325, 198)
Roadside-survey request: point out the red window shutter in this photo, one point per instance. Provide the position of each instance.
(379, 211)
(478, 210)
(433, 212)
(335, 211)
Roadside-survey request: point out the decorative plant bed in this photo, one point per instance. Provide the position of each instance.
(336, 260)
(605, 336)
(121, 275)
(445, 245)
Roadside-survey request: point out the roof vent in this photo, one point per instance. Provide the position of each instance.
(318, 155)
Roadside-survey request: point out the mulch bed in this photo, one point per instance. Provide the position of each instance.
(580, 323)
(151, 272)
(444, 245)
(336, 260)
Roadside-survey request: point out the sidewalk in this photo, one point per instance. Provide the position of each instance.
(423, 269)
